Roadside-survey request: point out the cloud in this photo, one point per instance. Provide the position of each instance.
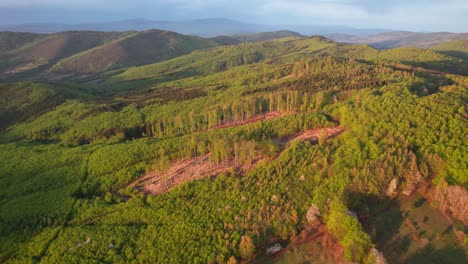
(336, 10)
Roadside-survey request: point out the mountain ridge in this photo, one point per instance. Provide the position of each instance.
(208, 27)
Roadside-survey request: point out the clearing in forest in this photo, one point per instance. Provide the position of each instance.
(155, 182)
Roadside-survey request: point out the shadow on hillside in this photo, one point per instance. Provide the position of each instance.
(432, 73)
(432, 79)
(381, 218)
(456, 53)
(446, 255)
(447, 66)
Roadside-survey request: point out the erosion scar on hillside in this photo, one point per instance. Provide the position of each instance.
(155, 182)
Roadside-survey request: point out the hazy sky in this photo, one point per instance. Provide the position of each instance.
(420, 15)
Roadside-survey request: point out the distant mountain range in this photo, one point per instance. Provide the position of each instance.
(400, 39)
(201, 27)
(220, 27)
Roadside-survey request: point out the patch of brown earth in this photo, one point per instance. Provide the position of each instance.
(332, 250)
(187, 170)
(155, 182)
(314, 134)
(314, 244)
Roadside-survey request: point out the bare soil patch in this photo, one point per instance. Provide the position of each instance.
(155, 182)
(314, 134)
(313, 245)
(187, 170)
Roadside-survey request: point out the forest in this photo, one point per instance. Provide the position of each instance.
(74, 151)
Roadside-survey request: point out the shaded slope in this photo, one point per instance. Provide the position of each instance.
(20, 101)
(14, 40)
(136, 49)
(425, 58)
(456, 48)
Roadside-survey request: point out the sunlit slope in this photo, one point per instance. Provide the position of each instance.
(50, 49)
(136, 49)
(226, 57)
(283, 51)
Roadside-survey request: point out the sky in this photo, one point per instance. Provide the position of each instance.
(415, 15)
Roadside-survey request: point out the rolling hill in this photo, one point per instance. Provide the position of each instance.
(226, 57)
(135, 49)
(14, 40)
(49, 49)
(80, 54)
(279, 51)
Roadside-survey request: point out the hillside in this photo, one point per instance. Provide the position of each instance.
(279, 51)
(426, 58)
(26, 100)
(48, 50)
(13, 40)
(226, 57)
(320, 151)
(136, 49)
